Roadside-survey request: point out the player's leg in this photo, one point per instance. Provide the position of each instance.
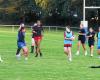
(18, 50)
(39, 47)
(78, 47)
(84, 47)
(36, 47)
(91, 45)
(32, 46)
(91, 50)
(98, 51)
(25, 51)
(66, 50)
(69, 54)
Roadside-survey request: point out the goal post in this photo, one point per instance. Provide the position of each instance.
(84, 22)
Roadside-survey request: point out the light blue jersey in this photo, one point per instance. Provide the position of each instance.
(98, 35)
(68, 35)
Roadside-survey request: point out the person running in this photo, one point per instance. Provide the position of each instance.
(33, 41)
(68, 39)
(98, 42)
(21, 43)
(91, 40)
(37, 30)
(81, 40)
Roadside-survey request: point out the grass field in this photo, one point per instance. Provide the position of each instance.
(52, 66)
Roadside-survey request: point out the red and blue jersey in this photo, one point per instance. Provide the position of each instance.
(68, 35)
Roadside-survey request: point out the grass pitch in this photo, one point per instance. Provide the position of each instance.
(52, 66)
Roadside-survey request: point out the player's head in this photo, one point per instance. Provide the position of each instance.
(99, 29)
(81, 26)
(68, 29)
(22, 25)
(91, 29)
(38, 22)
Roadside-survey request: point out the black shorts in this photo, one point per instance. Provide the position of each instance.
(82, 39)
(91, 43)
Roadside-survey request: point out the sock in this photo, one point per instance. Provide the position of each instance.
(32, 49)
(18, 50)
(36, 55)
(40, 53)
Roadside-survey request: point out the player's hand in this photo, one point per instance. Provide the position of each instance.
(34, 32)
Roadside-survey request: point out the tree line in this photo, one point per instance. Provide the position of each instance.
(52, 12)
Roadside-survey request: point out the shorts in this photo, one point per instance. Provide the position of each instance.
(98, 47)
(90, 43)
(21, 44)
(67, 45)
(82, 40)
(37, 38)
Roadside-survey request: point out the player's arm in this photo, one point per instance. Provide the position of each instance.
(33, 31)
(88, 36)
(73, 36)
(19, 28)
(82, 33)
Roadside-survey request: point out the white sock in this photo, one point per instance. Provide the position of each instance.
(77, 53)
(26, 58)
(1, 59)
(91, 55)
(70, 57)
(85, 53)
(18, 56)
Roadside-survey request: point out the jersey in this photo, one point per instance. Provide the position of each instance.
(21, 36)
(68, 35)
(91, 38)
(38, 31)
(98, 37)
(83, 32)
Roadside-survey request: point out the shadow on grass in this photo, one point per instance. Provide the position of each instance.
(94, 66)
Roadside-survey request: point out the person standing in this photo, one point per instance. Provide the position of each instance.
(21, 43)
(68, 39)
(38, 34)
(98, 42)
(91, 40)
(81, 40)
(33, 41)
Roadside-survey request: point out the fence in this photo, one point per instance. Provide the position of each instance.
(48, 28)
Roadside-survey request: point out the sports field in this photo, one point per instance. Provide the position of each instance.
(52, 66)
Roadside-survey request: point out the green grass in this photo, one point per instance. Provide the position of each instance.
(52, 66)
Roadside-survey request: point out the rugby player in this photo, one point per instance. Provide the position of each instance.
(98, 42)
(81, 40)
(91, 40)
(37, 30)
(21, 43)
(68, 38)
(33, 41)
